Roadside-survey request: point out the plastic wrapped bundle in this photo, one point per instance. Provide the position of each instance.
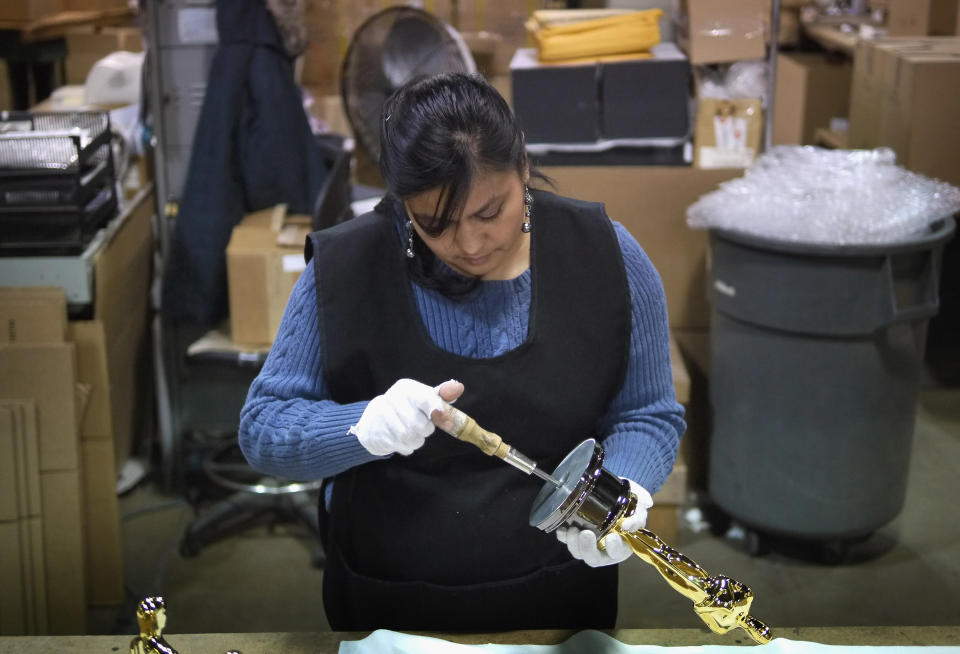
(836, 197)
(562, 39)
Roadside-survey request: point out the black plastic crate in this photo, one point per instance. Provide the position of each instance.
(53, 230)
(53, 159)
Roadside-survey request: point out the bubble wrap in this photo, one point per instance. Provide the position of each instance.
(830, 197)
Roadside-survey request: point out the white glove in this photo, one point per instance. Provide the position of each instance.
(582, 543)
(399, 421)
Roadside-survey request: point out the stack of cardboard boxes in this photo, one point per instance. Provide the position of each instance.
(69, 397)
(905, 96)
(42, 403)
(727, 131)
(920, 17)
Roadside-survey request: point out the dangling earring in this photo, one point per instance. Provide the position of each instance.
(527, 201)
(410, 252)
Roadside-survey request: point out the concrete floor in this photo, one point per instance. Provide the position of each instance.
(907, 573)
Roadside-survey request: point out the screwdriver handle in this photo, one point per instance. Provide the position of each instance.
(466, 429)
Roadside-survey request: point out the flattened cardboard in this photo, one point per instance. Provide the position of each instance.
(10, 487)
(46, 374)
(63, 552)
(96, 419)
(34, 574)
(104, 549)
(33, 314)
(13, 619)
(28, 451)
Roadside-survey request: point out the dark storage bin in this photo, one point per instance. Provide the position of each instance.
(556, 104)
(816, 359)
(646, 98)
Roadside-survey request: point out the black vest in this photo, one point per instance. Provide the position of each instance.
(448, 516)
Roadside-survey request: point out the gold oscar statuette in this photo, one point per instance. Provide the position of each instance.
(152, 618)
(721, 602)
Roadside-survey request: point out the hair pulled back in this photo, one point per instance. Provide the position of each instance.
(437, 133)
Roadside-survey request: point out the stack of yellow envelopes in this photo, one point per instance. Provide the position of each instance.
(564, 37)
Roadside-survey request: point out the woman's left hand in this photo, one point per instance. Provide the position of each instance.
(582, 543)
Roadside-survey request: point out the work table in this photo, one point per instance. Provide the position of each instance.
(328, 642)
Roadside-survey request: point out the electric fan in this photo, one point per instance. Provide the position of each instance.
(390, 48)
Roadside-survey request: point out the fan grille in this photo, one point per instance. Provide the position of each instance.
(389, 49)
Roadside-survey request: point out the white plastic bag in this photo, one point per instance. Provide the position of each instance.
(836, 197)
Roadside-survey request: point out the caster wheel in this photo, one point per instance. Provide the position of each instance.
(834, 553)
(756, 544)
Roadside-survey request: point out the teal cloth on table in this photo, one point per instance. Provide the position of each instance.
(384, 641)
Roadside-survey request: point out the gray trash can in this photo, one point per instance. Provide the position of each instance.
(816, 358)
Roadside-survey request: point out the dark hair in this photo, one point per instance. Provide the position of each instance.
(438, 132)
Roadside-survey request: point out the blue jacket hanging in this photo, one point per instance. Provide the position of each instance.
(253, 148)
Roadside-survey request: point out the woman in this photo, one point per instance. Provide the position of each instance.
(551, 319)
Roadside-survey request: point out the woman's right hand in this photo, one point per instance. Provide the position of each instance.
(399, 421)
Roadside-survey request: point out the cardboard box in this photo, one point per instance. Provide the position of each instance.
(905, 96)
(728, 133)
(46, 373)
(63, 551)
(261, 273)
(85, 47)
(651, 202)
(29, 10)
(101, 516)
(718, 31)
(922, 127)
(646, 98)
(557, 103)
(923, 17)
(811, 89)
(33, 314)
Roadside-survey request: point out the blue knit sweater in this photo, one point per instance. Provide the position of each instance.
(290, 427)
